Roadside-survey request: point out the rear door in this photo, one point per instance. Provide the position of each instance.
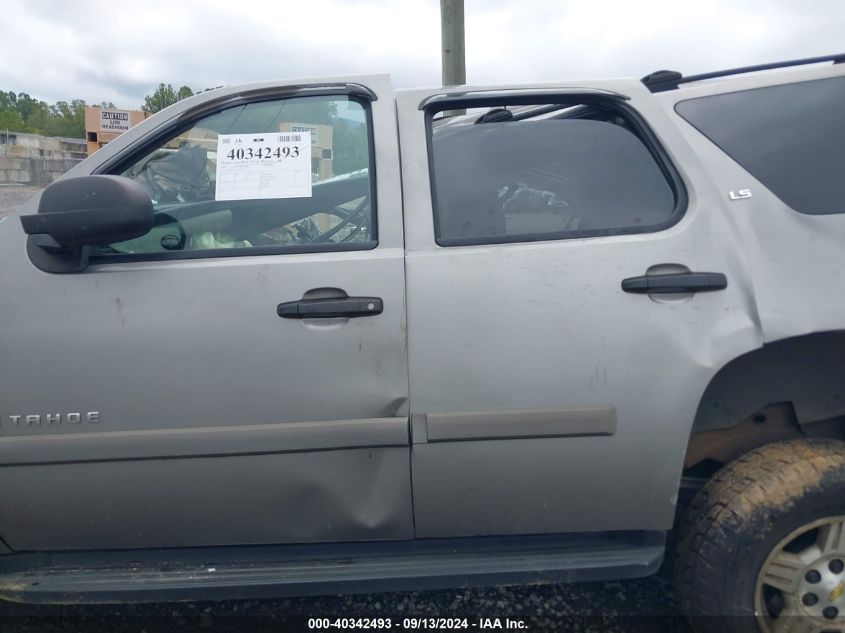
(549, 394)
(163, 397)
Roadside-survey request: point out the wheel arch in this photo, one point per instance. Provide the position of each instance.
(808, 371)
(786, 389)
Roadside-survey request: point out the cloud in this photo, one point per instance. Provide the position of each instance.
(119, 51)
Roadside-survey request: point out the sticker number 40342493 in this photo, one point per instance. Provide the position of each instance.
(260, 166)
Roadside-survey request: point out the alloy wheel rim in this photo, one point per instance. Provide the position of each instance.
(801, 585)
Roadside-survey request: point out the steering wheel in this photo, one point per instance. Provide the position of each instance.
(358, 213)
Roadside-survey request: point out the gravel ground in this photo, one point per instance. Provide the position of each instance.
(634, 606)
(12, 196)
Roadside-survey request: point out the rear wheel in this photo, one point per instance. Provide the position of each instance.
(762, 548)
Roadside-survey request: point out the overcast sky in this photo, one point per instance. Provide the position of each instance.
(117, 50)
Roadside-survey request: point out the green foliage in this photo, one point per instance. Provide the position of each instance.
(67, 119)
(23, 113)
(11, 120)
(163, 96)
(350, 146)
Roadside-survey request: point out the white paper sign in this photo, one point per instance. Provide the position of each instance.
(259, 166)
(114, 121)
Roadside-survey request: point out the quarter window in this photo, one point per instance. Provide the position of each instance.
(789, 137)
(192, 218)
(544, 172)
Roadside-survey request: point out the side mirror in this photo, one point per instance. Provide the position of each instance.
(85, 211)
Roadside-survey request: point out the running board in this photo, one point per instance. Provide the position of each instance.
(264, 572)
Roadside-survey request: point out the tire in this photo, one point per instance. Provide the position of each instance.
(781, 502)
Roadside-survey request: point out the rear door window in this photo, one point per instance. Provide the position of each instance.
(789, 137)
(545, 172)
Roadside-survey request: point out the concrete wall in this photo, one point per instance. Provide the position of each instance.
(29, 159)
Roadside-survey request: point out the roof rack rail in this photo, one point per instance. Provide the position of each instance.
(663, 80)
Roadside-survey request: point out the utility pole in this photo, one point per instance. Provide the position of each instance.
(452, 42)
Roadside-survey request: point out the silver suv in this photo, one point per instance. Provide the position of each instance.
(321, 336)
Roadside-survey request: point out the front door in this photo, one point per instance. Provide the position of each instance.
(186, 389)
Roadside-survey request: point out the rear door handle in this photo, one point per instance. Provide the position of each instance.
(348, 307)
(675, 283)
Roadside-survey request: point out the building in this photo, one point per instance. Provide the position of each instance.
(106, 124)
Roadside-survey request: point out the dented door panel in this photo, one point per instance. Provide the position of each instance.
(298, 497)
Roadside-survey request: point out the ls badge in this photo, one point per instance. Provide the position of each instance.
(742, 194)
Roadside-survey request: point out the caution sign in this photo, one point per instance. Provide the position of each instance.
(114, 120)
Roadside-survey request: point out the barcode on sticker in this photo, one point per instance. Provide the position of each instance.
(290, 138)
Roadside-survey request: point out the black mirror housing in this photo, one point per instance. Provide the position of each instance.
(91, 210)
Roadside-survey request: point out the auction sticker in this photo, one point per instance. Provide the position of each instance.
(260, 166)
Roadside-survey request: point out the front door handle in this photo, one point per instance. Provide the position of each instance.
(675, 283)
(333, 308)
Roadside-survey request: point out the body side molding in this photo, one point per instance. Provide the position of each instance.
(489, 425)
(203, 441)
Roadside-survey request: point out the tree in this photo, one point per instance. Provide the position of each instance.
(165, 96)
(10, 120)
(28, 107)
(35, 114)
(350, 146)
(67, 119)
